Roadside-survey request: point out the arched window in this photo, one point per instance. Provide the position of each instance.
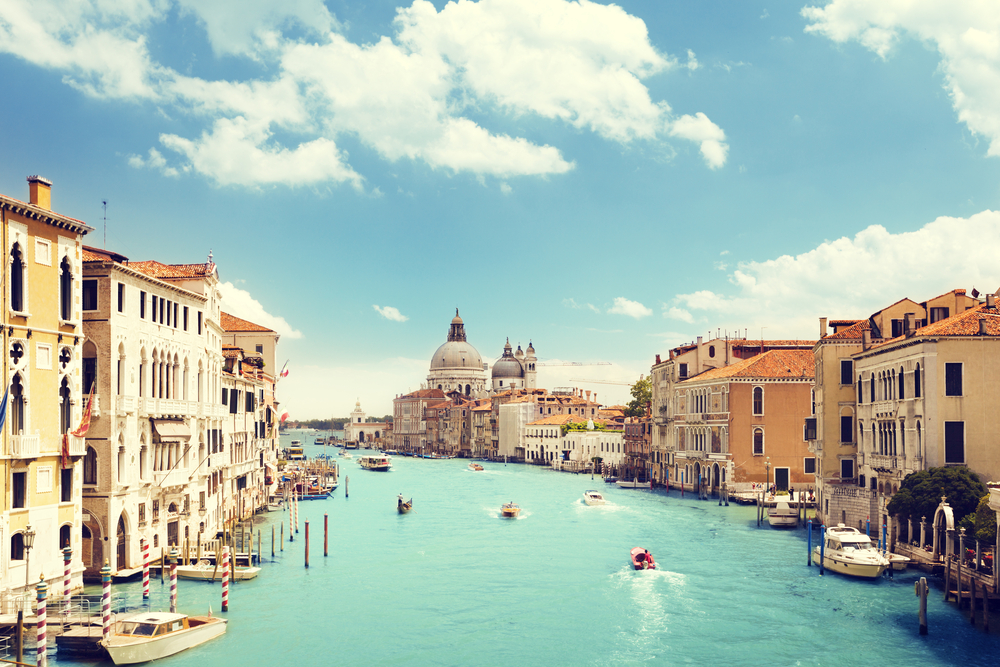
(17, 546)
(65, 407)
(916, 382)
(16, 279)
(17, 425)
(758, 400)
(902, 386)
(871, 397)
(758, 442)
(468, 389)
(861, 396)
(89, 366)
(90, 466)
(64, 537)
(65, 290)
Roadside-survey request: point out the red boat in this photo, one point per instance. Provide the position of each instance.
(642, 559)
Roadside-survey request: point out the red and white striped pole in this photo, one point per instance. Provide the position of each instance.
(145, 568)
(225, 578)
(43, 658)
(296, 510)
(67, 558)
(106, 600)
(291, 514)
(173, 580)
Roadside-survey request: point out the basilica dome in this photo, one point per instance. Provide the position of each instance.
(456, 352)
(507, 366)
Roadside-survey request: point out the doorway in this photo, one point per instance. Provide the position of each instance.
(122, 540)
(782, 477)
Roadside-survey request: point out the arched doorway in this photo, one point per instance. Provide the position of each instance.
(697, 477)
(361, 436)
(716, 478)
(122, 551)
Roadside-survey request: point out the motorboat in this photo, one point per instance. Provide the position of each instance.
(403, 506)
(897, 562)
(151, 636)
(475, 467)
(391, 452)
(206, 570)
(377, 462)
(275, 504)
(510, 511)
(633, 484)
(346, 454)
(295, 452)
(851, 552)
(783, 515)
(592, 497)
(642, 559)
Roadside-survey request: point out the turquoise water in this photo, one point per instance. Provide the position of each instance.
(452, 583)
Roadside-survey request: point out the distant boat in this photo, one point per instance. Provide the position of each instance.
(404, 506)
(642, 559)
(378, 463)
(208, 571)
(593, 498)
(510, 511)
(475, 466)
(634, 484)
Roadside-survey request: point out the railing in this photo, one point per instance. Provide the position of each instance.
(126, 404)
(884, 407)
(77, 446)
(96, 411)
(883, 461)
(164, 479)
(25, 446)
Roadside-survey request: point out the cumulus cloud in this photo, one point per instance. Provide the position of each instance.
(240, 303)
(408, 96)
(623, 306)
(965, 34)
(850, 277)
(154, 161)
(571, 303)
(391, 313)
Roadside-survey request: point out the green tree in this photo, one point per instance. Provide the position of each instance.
(921, 492)
(984, 522)
(642, 393)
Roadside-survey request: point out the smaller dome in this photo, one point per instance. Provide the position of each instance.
(531, 349)
(507, 366)
(456, 319)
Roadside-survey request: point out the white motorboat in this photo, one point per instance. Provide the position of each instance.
(898, 562)
(633, 484)
(151, 636)
(849, 551)
(782, 515)
(378, 462)
(593, 498)
(206, 570)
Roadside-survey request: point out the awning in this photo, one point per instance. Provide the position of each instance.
(171, 431)
(269, 465)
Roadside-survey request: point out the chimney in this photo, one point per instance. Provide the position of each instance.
(866, 339)
(909, 324)
(657, 359)
(982, 327)
(588, 395)
(822, 327)
(991, 300)
(40, 192)
(595, 397)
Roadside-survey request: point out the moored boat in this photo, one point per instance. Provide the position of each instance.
(851, 552)
(151, 636)
(592, 497)
(633, 484)
(295, 452)
(206, 570)
(377, 462)
(782, 515)
(510, 511)
(642, 559)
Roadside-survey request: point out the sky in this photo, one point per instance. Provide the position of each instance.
(605, 181)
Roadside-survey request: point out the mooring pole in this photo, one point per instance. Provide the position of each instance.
(809, 543)
(920, 590)
(822, 549)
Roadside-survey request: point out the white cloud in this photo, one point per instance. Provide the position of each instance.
(407, 96)
(154, 161)
(505, 188)
(240, 303)
(852, 277)
(634, 309)
(679, 314)
(391, 313)
(966, 35)
(571, 303)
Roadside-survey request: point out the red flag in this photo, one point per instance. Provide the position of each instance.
(81, 431)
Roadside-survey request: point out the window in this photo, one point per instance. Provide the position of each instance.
(846, 371)
(66, 485)
(154, 300)
(260, 350)
(16, 279)
(176, 323)
(954, 442)
(758, 442)
(809, 433)
(142, 514)
(809, 465)
(185, 318)
(17, 546)
(89, 373)
(142, 305)
(711, 351)
(871, 390)
(938, 314)
(17, 425)
(199, 322)
(953, 379)
(65, 407)
(897, 328)
(20, 484)
(168, 311)
(758, 400)
(90, 466)
(65, 290)
(90, 295)
(902, 385)
(846, 469)
(916, 382)
(163, 307)
(847, 428)
(683, 371)
(121, 297)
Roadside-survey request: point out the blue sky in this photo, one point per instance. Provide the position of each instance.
(607, 181)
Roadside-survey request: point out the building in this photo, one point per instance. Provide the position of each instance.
(409, 425)
(456, 365)
(42, 462)
(514, 370)
(554, 441)
(361, 431)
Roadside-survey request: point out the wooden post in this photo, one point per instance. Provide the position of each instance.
(187, 550)
(326, 535)
(307, 543)
(809, 543)
(947, 577)
(972, 600)
(281, 542)
(163, 561)
(272, 541)
(986, 609)
(19, 637)
(822, 548)
(198, 539)
(920, 590)
(258, 547)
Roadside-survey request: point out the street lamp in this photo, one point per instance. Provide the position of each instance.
(29, 541)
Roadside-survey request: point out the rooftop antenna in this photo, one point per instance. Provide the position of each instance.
(104, 203)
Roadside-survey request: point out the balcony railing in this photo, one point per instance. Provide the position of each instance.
(96, 411)
(164, 479)
(77, 446)
(883, 461)
(126, 404)
(25, 446)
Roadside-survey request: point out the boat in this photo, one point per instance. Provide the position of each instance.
(150, 636)
(403, 506)
(378, 462)
(510, 511)
(206, 570)
(851, 552)
(633, 484)
(898, 562)
(642, 559)
(346, 454)
(783, 515)
(295, 452)
(319, 441)
(475, 467)
(391, 452)
(275, 504)
(593, 498)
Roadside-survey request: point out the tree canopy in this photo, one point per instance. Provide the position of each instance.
(920, 493)
(642, 393)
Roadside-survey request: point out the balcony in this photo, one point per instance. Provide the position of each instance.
(884, 407)
(77, 446)
(96, 410)
(25, 446)
(126, 404)
(883, 462)
(165, 479)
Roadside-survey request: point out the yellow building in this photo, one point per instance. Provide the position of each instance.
(42, 469)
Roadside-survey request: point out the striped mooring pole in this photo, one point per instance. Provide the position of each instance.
(106, 600)
(225, 578)
(291, 520)
(296, 498)
(173, 580)
(145, 568)
(67, 574)
(43, 589)
(307, 543)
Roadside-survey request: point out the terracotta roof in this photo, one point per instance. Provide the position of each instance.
(559, 420)
(964, 323)
(751, 344)
(167, 271)
(33, 211)
(771, 364)
(230, 352)
(853, 332)
(842, 323)
(482, 408)
(233, 323)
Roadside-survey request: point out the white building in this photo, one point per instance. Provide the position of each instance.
(360, 431)
(544, 442)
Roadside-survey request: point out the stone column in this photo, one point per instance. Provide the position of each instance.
(923, 531)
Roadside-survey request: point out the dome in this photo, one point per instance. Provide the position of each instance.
(507, 366)
(456, 354)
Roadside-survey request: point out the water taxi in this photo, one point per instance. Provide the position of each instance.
(783, 515)
(642, 559)
(510, 511)
(151, 636)
(475, 467)
(206, 570)
(593, 498)
(849, 551)
(633, 484)
(295, 451)
(378, 462)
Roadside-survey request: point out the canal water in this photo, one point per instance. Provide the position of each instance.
(452, 583)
